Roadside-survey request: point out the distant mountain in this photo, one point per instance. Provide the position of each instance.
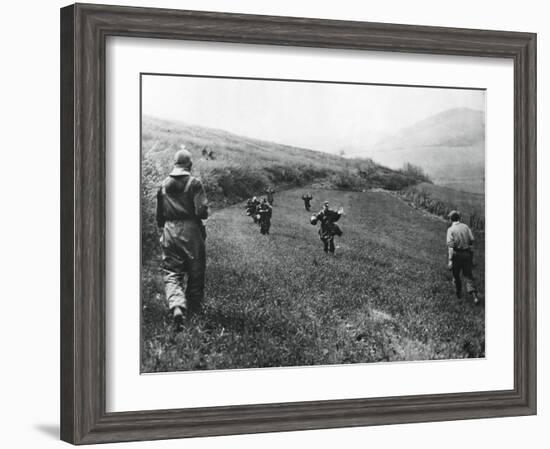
(449, 145)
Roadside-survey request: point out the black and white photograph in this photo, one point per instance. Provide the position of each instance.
(296, 224)
(291, 223)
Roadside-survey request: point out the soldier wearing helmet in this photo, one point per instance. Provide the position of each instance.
(328, 229)
(181, 207)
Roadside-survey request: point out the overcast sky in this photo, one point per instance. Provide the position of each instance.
(321, 116)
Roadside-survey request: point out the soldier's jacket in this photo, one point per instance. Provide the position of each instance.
(181, 207)
(307, 199)
(250, 207)
(181, 198)
(265, 211)
(327, 219)
(459, 236)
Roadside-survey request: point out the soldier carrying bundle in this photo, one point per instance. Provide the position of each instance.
(328, 218)
(252, 205)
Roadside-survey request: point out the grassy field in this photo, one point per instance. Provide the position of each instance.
(474, 185)
(278, 300)
(242, 167)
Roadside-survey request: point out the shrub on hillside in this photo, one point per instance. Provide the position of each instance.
(238, 183)
(416, 172)
(391, 180)
(284, 174)
(347, 179)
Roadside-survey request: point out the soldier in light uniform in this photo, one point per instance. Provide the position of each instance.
(329, 228)
(459, 243)
(181, 207)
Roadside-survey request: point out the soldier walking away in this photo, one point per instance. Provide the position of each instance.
(307, 200)
(329, 228)
(270, 191)
(181, 207)
(265, 211)
(459, 242)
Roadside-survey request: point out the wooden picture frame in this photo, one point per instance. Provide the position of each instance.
(84, 29)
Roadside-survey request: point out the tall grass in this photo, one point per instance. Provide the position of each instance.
(278, 300)
(442, 200)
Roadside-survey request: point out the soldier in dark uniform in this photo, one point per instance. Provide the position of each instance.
(307, 200)
(328, 218)
(254, 209)
(270, 191)
(181, 207)
(250, 207)
(265, 211)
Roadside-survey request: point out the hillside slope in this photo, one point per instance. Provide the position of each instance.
(449, 146)
(278, 300)
(241, 167)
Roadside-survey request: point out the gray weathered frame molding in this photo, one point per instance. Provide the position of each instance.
(84, 29)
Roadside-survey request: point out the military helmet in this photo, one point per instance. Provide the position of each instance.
(182, 162)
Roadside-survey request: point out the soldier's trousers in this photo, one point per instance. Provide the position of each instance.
(264, 226)
(462, 264)
(183, 256)
(328, 244)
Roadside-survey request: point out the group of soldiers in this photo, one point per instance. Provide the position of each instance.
(182, 206)
(261, 212)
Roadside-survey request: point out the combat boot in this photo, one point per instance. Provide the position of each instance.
(179, 318)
